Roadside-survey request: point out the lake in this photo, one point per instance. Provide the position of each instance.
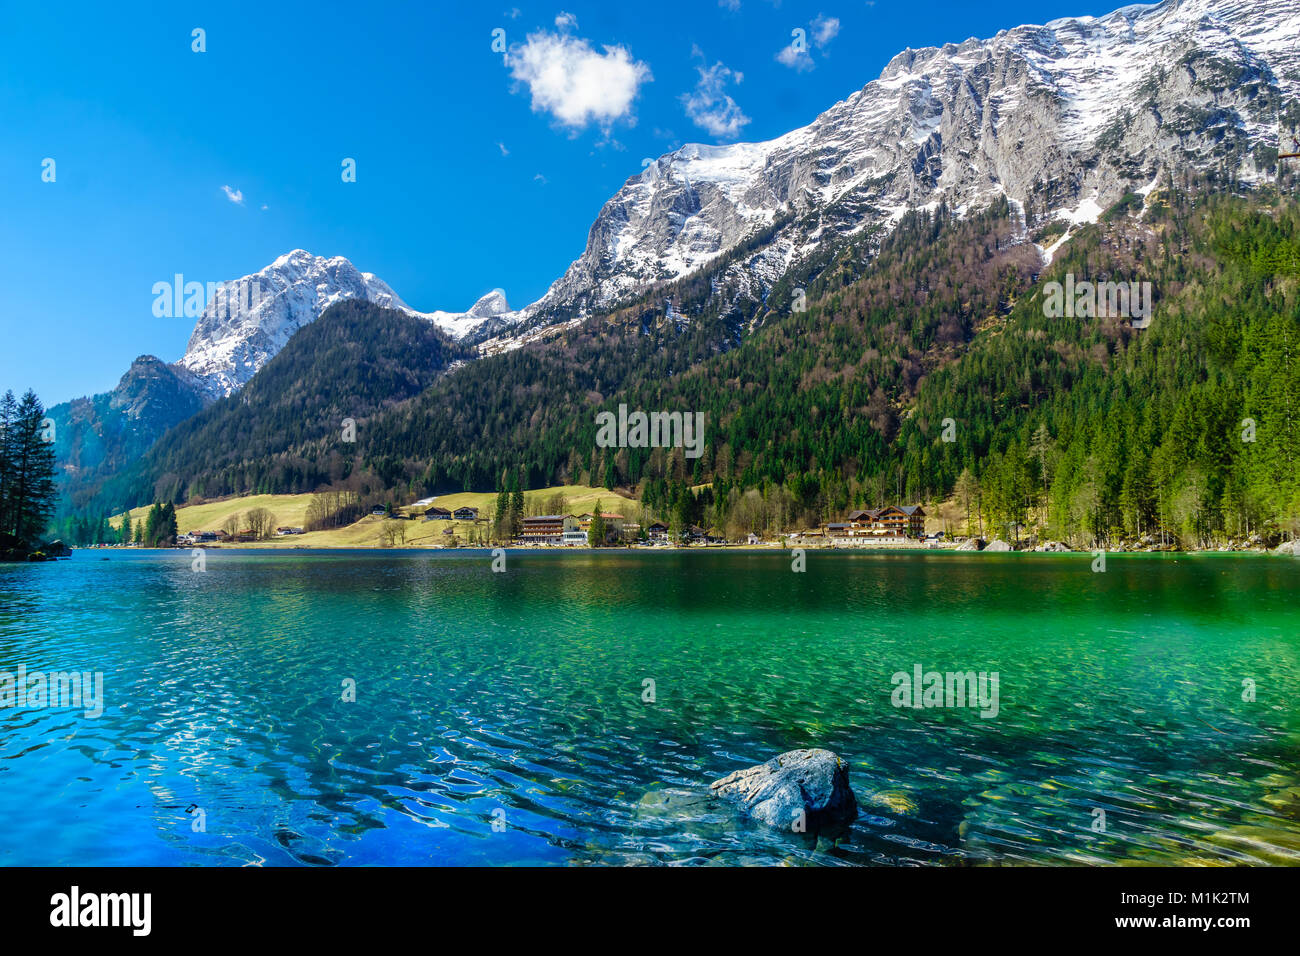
(1146, 715)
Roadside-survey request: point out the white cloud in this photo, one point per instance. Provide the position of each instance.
(574, 83)
(539, 178)
(825, 29)
(502, 147)
(710, 107)
(732, 5)
(234, 195)
(797, 54)
(566, 21)
(795, 58)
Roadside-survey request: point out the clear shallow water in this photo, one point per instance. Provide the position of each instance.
(521, 693)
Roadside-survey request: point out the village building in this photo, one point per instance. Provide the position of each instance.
(613, 522)
(465, 514)
(890, 521)
(437, 514)
(549, 529)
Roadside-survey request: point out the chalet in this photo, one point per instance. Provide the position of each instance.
(549, 529)
(379, 511)
(438, 514)
(282, 532)
(889, 521)
(574, 538)
(657, 532)
(465, 514)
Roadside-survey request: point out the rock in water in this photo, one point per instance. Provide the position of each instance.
(808, 785)
(997, 544)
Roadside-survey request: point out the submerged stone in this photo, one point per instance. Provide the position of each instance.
(895, 801)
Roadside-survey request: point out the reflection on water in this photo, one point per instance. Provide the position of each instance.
(516, 698)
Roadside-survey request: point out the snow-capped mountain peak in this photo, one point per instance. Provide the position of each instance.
(248, 320)
(1056, 118)
(492, 304)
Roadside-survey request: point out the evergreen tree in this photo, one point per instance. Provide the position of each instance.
(28, 461)
(8, 455)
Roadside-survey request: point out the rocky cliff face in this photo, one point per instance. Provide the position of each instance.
(1062, 119)
(252, 318)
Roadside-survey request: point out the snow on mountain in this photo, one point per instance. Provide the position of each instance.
(490, 313)
(250, 319)
(1060, 117)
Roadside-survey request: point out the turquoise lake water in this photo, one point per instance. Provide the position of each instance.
(499, 717)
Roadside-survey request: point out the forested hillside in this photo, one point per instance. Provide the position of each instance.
(285, 428)
(1083, 427)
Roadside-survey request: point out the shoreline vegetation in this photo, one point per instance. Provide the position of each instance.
(281, 522)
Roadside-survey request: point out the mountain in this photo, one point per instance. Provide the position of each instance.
(244, 324)
(1061, 119)
(920, 216)
(937, 372)
(97, 436)
(353, 361)
(250, 319)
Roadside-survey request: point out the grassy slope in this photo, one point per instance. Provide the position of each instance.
(291, 510)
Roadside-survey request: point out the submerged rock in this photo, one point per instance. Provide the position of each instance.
(807, 787)
(673, 803)
(895, 801)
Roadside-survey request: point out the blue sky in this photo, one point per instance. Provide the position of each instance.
(475, 170)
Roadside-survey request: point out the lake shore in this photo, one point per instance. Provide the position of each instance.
(283, 545)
